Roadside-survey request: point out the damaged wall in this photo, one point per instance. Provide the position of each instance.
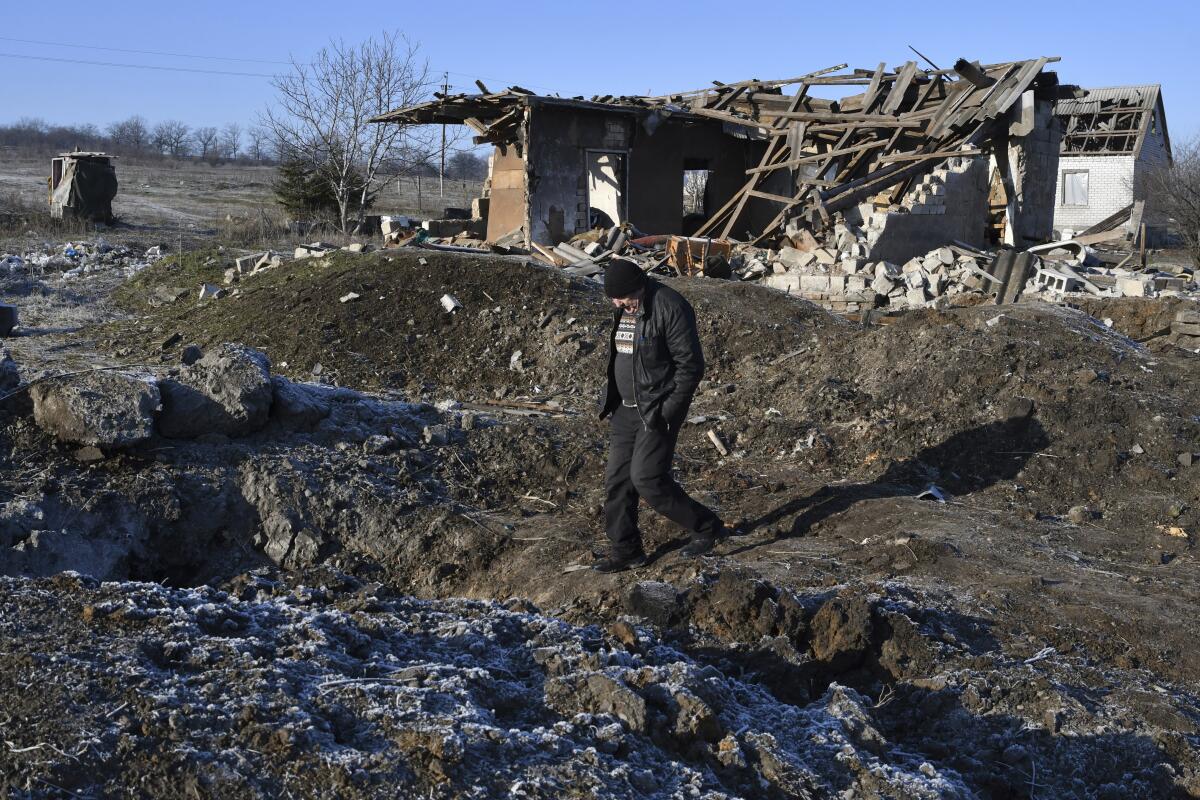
(950, 203)
(1109, 189)
(560, 140)
(506, 203)
(1032, 169)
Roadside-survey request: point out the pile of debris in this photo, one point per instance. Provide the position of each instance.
(78, 259)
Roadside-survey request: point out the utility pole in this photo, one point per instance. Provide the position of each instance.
(442, 171)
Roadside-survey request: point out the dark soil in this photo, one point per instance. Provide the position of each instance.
(1032, 636)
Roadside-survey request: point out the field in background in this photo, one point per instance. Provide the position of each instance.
(197, 201)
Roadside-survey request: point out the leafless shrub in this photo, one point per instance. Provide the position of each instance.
(1174, 191)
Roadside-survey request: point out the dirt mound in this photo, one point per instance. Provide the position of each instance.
(1037, 401)
(523, 329)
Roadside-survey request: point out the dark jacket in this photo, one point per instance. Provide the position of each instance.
(667, 360)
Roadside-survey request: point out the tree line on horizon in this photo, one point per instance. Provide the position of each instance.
(173, 139)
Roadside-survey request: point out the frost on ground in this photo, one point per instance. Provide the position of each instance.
(268, 687)
(268, 690)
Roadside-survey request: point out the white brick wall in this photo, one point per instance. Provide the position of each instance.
(1110, 182)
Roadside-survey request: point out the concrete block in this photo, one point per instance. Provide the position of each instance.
(788, 282)
(855, 283)
(824, 256)
(915, 280)
(814, 283)
(915, 297)
(946, 255)
(882, 284)
(795, 258)
(1188, 315)
(1132, 287)
(479, 207)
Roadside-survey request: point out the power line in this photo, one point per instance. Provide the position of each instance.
(141, 52)
(197, 55)
(138, 66)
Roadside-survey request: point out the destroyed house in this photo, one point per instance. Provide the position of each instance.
(561, 166)
(1111, 139)
(965, 154)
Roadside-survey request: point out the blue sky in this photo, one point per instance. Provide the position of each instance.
(572, 48)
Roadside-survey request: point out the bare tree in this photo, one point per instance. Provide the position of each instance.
(231, 140)
(131, 135)
(323, 112)
(258, 139)
(465, 166)
(1174, 192)
(695, 185)
(171, 138)
(206, 140)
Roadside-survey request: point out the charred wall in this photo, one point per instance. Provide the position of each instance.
(559, 143)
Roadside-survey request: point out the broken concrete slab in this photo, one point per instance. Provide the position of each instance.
(108, 409)
(209, 291)
(228, 391)
(246, 264)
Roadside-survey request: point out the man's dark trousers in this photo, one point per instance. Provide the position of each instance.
(639, 465)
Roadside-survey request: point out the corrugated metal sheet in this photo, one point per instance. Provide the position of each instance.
(1144, 95)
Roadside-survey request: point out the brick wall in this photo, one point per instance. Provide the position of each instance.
(1110, 188)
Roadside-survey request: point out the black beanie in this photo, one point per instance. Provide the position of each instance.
(623, 278)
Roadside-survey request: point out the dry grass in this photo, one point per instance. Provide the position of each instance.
(19, 214)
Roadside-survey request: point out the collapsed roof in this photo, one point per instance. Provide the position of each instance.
(1111, 121)
(838, 152)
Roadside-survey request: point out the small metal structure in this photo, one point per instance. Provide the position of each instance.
(82, 186)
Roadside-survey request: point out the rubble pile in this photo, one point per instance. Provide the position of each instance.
(75, 260)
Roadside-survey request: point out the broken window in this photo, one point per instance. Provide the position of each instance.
(1075, 188)
(606, 188)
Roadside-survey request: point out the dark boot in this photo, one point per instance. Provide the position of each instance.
(615, 563)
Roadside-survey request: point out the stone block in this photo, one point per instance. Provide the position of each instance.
(915, 297)
(1188, 315)
(824, 256)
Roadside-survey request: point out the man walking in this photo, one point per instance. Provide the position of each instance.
(654, 365)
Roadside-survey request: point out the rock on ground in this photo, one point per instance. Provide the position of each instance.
(102, 409)
(228, 392)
